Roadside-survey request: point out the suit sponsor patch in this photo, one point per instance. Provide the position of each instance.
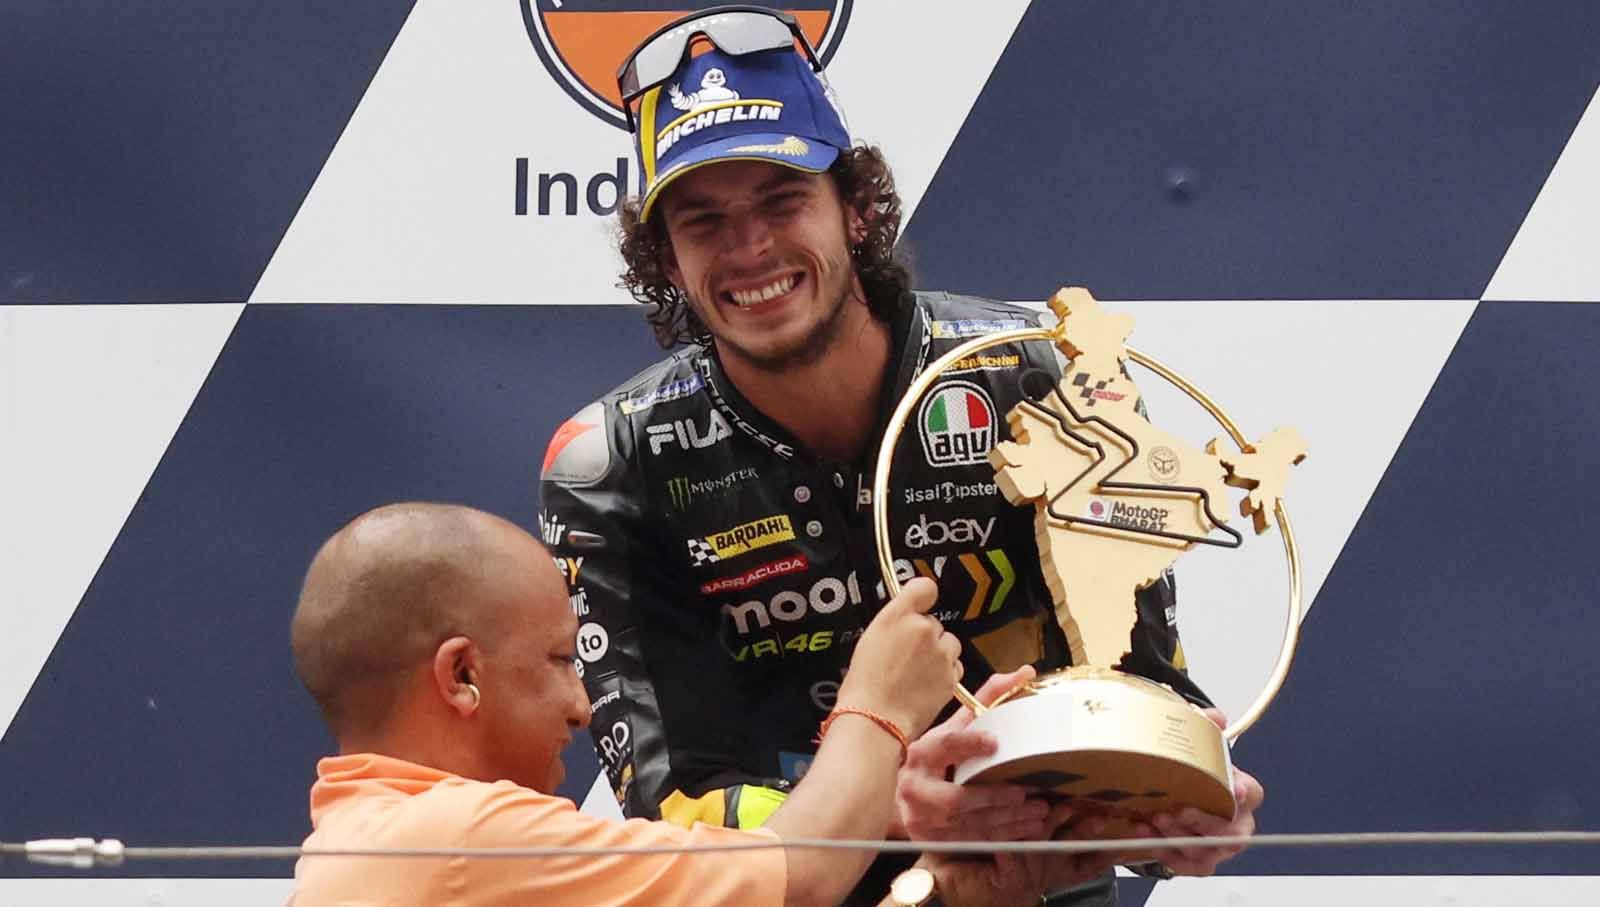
(756, 575)
(741, 539)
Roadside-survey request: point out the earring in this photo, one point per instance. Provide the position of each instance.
(477, 697)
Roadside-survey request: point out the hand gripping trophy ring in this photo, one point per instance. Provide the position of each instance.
(1081, 453)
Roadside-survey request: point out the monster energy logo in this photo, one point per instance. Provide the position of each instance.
(679, 489)
(684, 490)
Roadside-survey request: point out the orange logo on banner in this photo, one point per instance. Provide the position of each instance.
(583, 42)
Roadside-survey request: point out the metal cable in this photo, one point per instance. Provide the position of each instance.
(86, 852)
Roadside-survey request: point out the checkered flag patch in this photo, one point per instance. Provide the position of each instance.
(702, 553)
(1086, 392)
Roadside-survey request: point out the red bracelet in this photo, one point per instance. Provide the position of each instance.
(888, 726)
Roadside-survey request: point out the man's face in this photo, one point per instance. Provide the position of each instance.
(762, 253)
(533, 701)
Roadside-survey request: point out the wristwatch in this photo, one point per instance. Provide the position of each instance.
(914, 888)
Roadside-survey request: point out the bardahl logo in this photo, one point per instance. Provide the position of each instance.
(582, 42)
(741, 539)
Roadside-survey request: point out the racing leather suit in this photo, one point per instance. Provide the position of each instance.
(721, 573)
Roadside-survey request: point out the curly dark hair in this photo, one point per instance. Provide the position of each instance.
(865, 183)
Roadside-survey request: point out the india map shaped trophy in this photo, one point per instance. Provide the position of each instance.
(1117, 501)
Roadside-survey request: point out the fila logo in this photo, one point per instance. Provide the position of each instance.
(685, 435)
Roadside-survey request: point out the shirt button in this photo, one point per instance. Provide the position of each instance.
(802, 494)
(814, 529)
(838, 480)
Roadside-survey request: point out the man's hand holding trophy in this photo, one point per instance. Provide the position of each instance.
(1116, 501)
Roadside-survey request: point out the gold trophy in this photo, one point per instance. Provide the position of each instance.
(1116, 501)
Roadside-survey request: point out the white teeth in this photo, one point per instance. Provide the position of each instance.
(770, 291)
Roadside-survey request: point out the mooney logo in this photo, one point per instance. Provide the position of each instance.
(826, 596)
(582, 42)
(957, 425)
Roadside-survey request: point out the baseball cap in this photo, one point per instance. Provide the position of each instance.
(770, 105)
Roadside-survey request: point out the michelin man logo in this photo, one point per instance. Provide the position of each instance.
(713, 89)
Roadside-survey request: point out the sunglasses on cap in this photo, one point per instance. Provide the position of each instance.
(733, 30)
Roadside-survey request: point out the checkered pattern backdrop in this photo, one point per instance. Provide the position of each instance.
(267, 266)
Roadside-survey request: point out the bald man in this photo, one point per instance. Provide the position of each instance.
(439, 643)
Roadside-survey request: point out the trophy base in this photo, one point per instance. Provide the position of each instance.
(1116, 743)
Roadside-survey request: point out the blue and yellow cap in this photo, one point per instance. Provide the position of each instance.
(764, 106)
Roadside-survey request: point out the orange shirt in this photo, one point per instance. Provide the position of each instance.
(372, 801)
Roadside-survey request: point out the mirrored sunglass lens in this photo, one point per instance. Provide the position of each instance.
(657, 60)
(734, 33)
(750, 33)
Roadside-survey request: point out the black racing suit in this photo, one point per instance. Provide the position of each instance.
(721, 573)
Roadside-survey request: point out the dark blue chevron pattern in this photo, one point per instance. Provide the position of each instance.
(1445, 675)
(157, 152)
(1328, 150)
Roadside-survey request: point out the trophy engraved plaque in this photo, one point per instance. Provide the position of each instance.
(1117, 500)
